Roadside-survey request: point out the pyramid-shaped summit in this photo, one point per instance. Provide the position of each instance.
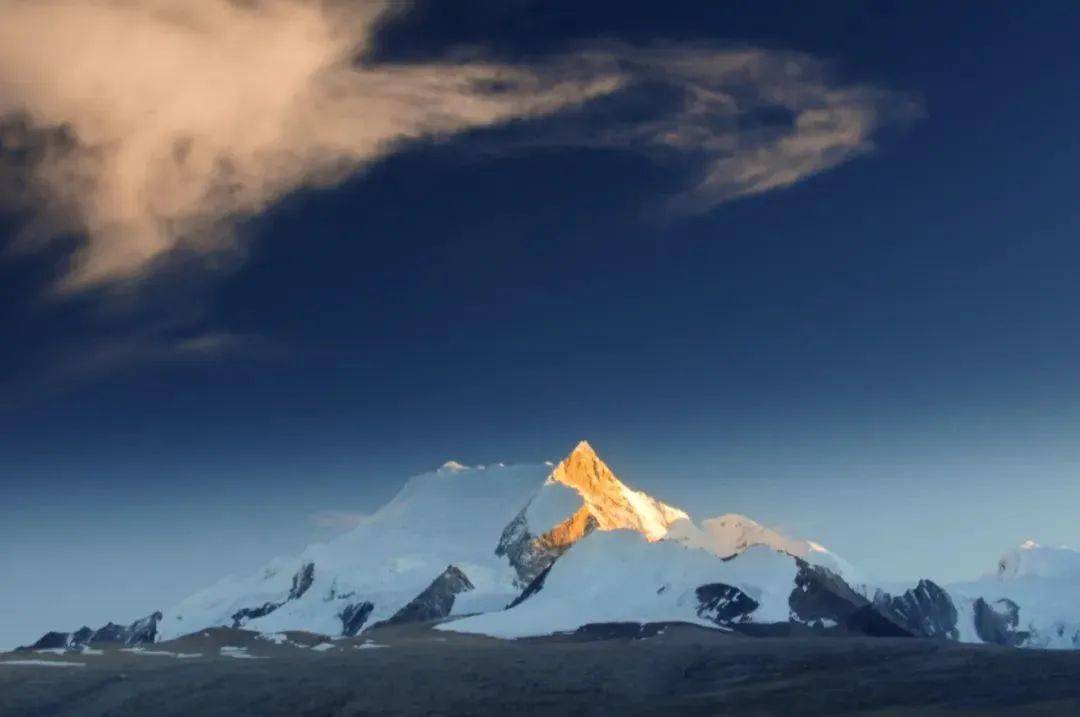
(613, 505)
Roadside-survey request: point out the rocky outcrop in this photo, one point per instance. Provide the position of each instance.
(997, 622)
(82, 636)
(530, 555)
(821, 599)
(303, 579)
(436, 601)
(534, 587)
(140, 632)
(241, 617)
(354, 616)
(519, 547)
(52, 641)
(925, 610)
(723, 604)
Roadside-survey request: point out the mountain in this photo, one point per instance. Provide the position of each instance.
(495, 529)
(140, 632)
(515, 551)
(531, 550)
(731, 534)
(1032, 599)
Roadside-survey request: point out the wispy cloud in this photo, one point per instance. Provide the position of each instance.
(168, 118)
(749, 120)
(150, 127)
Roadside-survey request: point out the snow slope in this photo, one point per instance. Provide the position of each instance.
(732, 534)
(450, 516)
(1043, 583)
(620, 576)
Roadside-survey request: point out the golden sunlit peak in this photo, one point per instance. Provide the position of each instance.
(612, 504)
(583, 448)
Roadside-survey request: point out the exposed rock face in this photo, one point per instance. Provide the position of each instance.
(724, 604)
(534, 587)
(822, 599)
(925, 610)
(303, 579)
(997, 622)
(523, 550)
(437, 600)
(354, 616)
(250, 613)
(143, 631)
(52, 641)
(137, 633)
(82, 636)
(531, 555)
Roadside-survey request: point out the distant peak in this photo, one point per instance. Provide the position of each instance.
(1032, 559)
(452, 467)
(583, 449)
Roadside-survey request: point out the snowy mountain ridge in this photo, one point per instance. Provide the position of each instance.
(514, 551)
(1032, 599)
(1030, 559)
(500, 528)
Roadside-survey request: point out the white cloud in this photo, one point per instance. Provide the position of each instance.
(182, 114)
(170, 119)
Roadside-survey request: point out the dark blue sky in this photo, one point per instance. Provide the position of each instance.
(881, 357)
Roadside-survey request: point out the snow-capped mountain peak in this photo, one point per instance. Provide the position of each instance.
(614, 505)
(1030, 559)
(731, 534)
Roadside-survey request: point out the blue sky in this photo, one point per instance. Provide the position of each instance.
(880, 356)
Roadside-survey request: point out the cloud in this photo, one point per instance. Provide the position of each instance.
(169, 118)
(759, 120)
(149, 127)
(750, 120)
(337, 519)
